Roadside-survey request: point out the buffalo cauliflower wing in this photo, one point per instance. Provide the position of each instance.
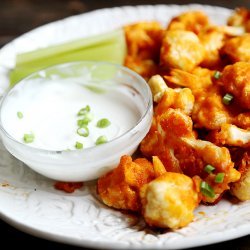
(241, 188)
(169, 201)
(173, 140)
(181, 49)
(120, 187)
(237, 49)
(235, 80)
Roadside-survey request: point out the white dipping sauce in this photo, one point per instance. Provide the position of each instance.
(50, 108)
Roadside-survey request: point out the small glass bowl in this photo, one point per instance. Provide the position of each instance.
(89, 163)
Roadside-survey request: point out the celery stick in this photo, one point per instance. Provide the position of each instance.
(99, 53)
(110, 47)
(57, 50)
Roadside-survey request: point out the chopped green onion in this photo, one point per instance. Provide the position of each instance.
(217, 75)
(83, 122)
(19, 115)
(209, 168)
(101, 140)
(28, 138)
(83, 131)
(84, 111)
(78, 145)
(103, 123)
(207, 190)
(227, 99)
(219, 178)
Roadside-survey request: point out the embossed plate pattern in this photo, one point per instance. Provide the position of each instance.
(29, 201)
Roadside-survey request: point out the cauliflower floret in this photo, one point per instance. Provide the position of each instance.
(143, 47)
(182, 50)
(178, 98)
(230, 135)
(169, 201)
(158, 87)
(194, 21)
(241, 188)
(237, 49)
(212, 39)
(197, 80)
(120, 187)
(173, 140)
(241, 17)
(235, 80)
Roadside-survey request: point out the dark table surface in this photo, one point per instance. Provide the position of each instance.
(19, 16)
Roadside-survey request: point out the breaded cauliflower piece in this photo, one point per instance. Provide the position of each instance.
(143, 47)
(182, 50)
(230, 135)
(158, 87)
(194, 21)
(240, 17)
(197, 80)
(173, 140)
(213, 40)
(237, 49)
(178, 98)
(208, 111)
(241, 188)
(169, 201)
(235, 80)
(120, 187)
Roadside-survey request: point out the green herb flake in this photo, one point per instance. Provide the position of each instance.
(83, 131)
(207, 190)
(19, 115)
(217, 75)
(101, 140)
(103, 123)
(84, 111)
(78, 145)
(209, 168)
(227, 99)
(219, 177)
(28, 138)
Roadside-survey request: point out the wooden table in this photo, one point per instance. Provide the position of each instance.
(19, 16)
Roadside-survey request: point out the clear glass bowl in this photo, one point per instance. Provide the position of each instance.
(89, 163)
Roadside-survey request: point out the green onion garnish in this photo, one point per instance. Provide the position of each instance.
(209, 168)
(28, 138)
(84, 111)
(101, 140)
(227, 99)
(219, 178)
(103, 123)
(207, 190)
(83, 122)
(19, 115)
(78, 145)
(217, 75)
(83, 131)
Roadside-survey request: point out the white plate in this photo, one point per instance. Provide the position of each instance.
(29, 201)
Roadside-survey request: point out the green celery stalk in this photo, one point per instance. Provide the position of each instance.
(109, 47)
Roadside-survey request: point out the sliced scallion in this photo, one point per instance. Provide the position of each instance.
(84, 111)
(101, 140)
(83, 122)
(83, 131)
(219, 178)
(209, 168)
(217, 75)
(19, 115)
(207, 190)
(78, 145)
(103, 123)
(28, 138)
(227, 99)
